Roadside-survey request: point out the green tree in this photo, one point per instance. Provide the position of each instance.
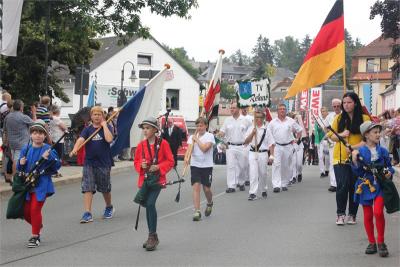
(238, 58)
(227, 91)
(262, 55)
(73, 27)
(389, 10)
(288, 53)
(305, 46)
(270, 70)
(351, 47)
(181, 56)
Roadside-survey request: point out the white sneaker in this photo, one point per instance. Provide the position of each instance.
(351, 220)
(340, 220)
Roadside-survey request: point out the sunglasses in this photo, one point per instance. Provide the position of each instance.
(336, 106)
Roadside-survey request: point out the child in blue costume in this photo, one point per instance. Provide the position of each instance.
(368, 192)
(44, 185)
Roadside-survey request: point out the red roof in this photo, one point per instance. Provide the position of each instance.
(378, 48)
(366, 76)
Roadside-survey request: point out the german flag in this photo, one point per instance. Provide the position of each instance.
(326, 54)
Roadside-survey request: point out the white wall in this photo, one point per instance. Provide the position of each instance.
(109, 73)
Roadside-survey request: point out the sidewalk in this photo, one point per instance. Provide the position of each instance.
(70, 174)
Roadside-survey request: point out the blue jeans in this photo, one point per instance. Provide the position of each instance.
(151, 212)
(345, 180)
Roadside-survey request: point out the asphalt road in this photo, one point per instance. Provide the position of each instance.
(294, 228)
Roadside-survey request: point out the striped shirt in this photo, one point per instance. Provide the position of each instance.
(43, 114)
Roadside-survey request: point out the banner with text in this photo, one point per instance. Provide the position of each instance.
(253, 93)
(107, 95)
(303, 107)
(315, 105)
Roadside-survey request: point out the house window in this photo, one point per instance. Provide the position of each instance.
(370, 65)
(231, 77)
(172, 100)
(384, 64)
(144, 60)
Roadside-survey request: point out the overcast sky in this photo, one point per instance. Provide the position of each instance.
(234, 24)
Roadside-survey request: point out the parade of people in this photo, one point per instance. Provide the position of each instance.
(223, 161)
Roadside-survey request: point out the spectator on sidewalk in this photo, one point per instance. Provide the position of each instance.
(43, 109)
(16, 130)
(4, 108)
(57, 129)
(174, 136)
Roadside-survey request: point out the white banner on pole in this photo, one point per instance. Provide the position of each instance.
(11, 17)
(253, 93)
(315, 105)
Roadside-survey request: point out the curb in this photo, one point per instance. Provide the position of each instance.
(6, 191)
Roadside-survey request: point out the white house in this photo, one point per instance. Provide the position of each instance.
(148, 57)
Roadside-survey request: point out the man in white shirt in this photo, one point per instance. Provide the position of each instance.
(234, 130)
(336, 106)
(282, 129)
(259, 139)
(297, 162)
(245, 114)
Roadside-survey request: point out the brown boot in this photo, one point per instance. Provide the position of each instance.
(152, 242)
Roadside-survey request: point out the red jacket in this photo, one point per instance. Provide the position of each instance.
(165, 160)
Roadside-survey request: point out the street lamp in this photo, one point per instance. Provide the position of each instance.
(132, 77)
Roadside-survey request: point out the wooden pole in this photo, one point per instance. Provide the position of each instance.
(98, 129)
(255, 127)
(344, 79)
(344, 70)
(202, 114)
(166, 66)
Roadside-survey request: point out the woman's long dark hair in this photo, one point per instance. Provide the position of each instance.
(345, 122)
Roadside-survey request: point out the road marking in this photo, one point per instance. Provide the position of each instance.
(104, 234)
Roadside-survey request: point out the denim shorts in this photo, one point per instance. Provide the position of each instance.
(96, 179)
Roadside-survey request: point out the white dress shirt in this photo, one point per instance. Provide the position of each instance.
(282, 131)
(235, 129)
(268, 139)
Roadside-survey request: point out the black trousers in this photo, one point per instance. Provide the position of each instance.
(345, 180)
(175, 153)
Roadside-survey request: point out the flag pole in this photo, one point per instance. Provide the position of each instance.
(166, 66)
(344, 57)
(344, 71)
(203, 113)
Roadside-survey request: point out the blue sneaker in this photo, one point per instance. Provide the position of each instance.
(108, 212)
(87, 217)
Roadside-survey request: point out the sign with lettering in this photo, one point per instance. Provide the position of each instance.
(315, 104)
(107, 95)
(253, 93)
(304, 100)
